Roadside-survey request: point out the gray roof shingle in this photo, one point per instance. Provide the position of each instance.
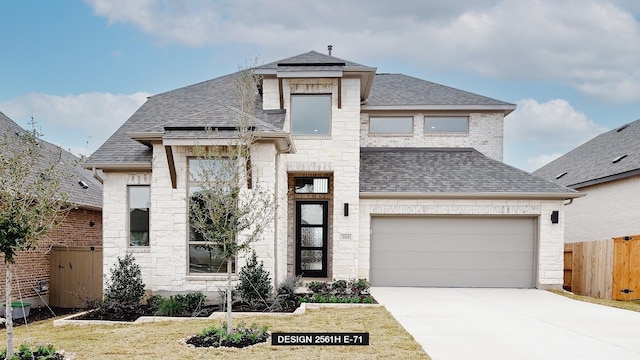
(445, 170)
(310, 60)
(210, 103)
(399, 89)
(90, 197)
(592, 162)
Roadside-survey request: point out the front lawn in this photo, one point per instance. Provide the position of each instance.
(388, 340)
(633, 305)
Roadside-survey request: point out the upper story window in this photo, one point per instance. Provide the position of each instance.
(139, 200)
(311, 114)
(391, 125)
(446, 124)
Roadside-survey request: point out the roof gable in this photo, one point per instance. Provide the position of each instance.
(609, 156)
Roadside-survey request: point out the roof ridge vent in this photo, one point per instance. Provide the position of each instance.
(616, 160)
(622, 127)
(561, 175)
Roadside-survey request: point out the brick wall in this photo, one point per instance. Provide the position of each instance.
(485, 134)
(609, 210)
(32, 266)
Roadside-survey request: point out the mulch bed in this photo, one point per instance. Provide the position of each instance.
(42, 313)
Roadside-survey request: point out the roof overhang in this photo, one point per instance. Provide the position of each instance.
(119, 166)
(506, 109)
(605, 179)
(467, 195)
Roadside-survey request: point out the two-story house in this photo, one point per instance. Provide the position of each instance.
(378, 176)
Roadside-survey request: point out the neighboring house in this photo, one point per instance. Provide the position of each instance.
(607, 169)
(82, 227)
(378, 176)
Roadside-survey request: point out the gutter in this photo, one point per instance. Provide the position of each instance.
(474, 195)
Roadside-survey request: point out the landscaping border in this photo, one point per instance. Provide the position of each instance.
(301, 310)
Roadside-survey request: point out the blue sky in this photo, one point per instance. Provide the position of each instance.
(81, 68)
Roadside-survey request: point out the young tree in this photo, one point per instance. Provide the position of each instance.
(31, 202)
(230, 209)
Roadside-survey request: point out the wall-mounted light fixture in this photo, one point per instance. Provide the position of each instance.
(346, 209)
(92, 224)
(555, 215)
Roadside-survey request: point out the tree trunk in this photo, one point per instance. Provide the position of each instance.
(8, 318)
(229, 297)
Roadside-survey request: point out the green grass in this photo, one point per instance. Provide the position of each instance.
(633, 305)
(388, 340)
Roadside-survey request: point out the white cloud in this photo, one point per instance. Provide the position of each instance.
(78, 122)
(589, 45)
(540, 132)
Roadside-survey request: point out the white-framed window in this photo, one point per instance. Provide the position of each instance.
(397, 125)
(311, 114)
(446, 124)
(204, 258)
(139, 203)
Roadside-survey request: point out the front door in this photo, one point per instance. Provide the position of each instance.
(311, 238)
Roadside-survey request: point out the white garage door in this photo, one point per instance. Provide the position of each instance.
(453, 251)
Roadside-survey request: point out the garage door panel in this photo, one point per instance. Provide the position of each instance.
(453, 251)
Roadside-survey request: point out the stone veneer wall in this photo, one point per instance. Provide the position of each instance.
(485, 134)
(550, 246)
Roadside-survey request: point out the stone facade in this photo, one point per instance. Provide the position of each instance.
(550, 245)
(609, 210)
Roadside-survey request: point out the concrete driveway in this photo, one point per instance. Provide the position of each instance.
(454, 324)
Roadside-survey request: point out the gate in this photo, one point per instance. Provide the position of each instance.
(626, 268)
(76, 276)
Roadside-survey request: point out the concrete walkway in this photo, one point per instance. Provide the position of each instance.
(455, 324)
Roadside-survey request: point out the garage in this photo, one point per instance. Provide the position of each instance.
(453, 251)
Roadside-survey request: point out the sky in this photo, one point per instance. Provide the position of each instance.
(79, 69)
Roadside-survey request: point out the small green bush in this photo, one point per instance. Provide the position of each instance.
(178, 305)
(240, 336)
(42, 352)
(170, 306)
(125, 285)
(254, 285)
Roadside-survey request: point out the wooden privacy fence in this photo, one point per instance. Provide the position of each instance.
(605, 269)
(76, 276)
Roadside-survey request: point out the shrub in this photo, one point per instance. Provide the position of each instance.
(180, 305)
(318, 287)
(239, 337)
(289, 285)
(170, 306)
(255, 282)
(125, 285)
(42, 352)
(360, 286)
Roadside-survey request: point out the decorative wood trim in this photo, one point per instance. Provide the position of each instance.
(172, 166)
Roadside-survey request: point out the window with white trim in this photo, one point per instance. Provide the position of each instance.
(139, 200)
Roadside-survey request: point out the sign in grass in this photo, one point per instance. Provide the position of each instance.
(319, 339)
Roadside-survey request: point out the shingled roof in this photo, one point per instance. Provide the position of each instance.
(609, 156)
(89, 197)
(448, 171)
(402, 90)
(212, 103)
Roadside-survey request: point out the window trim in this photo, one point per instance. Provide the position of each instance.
(196, 183)
(403, 134)
(291, 112)
(129, 245)
(439, 133)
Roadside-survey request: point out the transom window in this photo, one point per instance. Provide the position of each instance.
(311, 114)
(203, 256)
(391, 125)
(139, 200)
(446, 124)
(308, 185)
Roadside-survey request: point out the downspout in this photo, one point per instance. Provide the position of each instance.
(95, 175)
(568, 203)
(277, 211)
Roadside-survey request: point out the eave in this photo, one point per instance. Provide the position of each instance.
(605, 179)
(469, 195)
(506, 108)
(113, 166)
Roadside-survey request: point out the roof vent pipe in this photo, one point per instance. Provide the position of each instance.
(330, 47)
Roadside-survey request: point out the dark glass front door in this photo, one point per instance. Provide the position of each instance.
(311, 238)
